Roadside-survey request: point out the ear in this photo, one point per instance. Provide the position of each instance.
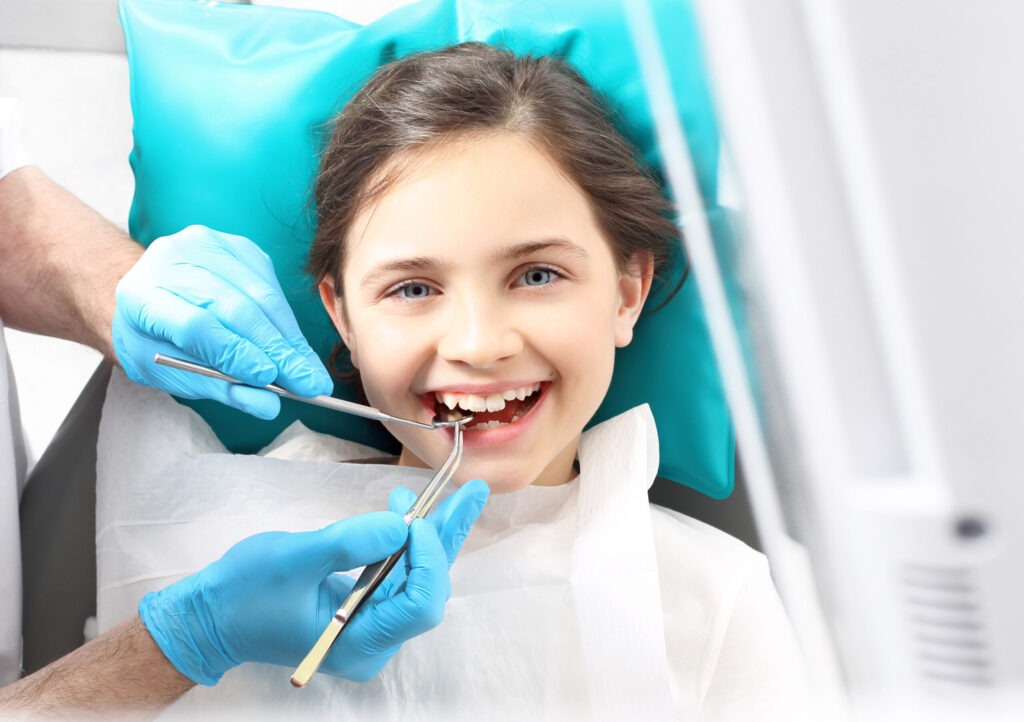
(335, 308)
(634, 286)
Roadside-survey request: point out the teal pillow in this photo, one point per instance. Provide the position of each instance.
(232, 105)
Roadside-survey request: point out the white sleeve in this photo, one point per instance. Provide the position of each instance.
(760, 673)
(13, 151)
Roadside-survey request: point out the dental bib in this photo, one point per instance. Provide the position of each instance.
(579, 601)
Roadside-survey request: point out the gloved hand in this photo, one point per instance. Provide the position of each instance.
(213, 298)
(270, 596)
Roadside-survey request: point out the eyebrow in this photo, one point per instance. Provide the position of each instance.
(416, 264)
(561, 246)
(429, 264)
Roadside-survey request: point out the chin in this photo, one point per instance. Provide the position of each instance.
(502, 483)
(503, 477)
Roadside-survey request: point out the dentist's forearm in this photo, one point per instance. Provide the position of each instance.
(61, 261)
(121, 671)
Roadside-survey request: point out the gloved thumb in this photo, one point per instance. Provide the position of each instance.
(349, 543)
(457, 514)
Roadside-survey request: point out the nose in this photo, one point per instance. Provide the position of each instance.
(479, 333)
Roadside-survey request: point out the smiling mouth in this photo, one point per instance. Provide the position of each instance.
(489, 411)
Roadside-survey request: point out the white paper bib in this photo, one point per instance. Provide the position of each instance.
(555, 612)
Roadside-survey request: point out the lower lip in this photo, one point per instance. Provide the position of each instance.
(499, 435)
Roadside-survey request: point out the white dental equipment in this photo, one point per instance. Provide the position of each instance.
(878, 398)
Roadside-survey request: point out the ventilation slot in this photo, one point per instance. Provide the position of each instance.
(948, 636)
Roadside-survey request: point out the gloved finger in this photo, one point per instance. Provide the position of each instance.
(264, 288)
(262, 266)
(455, 516)
(298, 372)
(242, 249)
(400, 499)
(392, 584)
(231, 277)
(260, 312)
(202, 247)
(200, 334)
(420, 605)
(339, 585)
(236, 303)
(349, 543)
(163, 298)
(257, 402)
(427, 585)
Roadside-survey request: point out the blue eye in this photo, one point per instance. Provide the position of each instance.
(413, 291)
(538, 277)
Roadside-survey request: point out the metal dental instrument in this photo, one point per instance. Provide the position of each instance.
(327, 402)
(374, 574)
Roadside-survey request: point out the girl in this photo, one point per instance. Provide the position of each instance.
(485, 241)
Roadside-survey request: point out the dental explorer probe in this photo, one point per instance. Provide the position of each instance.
(374, 574)
(327, 402)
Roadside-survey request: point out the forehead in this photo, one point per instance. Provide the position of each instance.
(470, 193)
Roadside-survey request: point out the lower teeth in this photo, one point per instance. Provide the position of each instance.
(494, 423)
(453, 415)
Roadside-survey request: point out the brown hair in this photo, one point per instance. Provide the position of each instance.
(424, 99)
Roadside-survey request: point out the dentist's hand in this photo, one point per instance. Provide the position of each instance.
(270, 596)
(213, 298)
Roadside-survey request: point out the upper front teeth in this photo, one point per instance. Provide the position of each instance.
(490, 402)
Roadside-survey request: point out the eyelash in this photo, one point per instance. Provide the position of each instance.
(396, 290)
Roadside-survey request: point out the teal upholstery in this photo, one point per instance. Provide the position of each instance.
(232, 105)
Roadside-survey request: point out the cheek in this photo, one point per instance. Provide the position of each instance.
(379, 387)
(388, 358)
(580, 340)
(596, 348)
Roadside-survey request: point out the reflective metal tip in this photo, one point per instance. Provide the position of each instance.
(437, 423)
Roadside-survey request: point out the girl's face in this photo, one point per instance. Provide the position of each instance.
(481, 279)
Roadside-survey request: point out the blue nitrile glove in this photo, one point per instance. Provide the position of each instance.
(213, 298)
(270, 596)
(450, 520)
